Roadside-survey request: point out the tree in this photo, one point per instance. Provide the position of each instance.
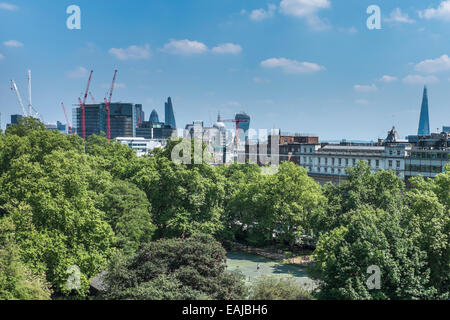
(372, 237)
(17, 281)
(193, 268)
(280, 207)
(277, 288)
(129, 214)
(184, 201)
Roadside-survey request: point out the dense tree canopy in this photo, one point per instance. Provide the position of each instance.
(66, 202)
(192, 268)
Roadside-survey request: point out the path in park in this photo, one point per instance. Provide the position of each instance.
(248, 263)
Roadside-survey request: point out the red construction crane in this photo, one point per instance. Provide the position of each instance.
(92, 97)
(83, 104)
(108, 105)
(69, 128)
(237, 121)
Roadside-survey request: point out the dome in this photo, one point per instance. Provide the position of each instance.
(154, 116)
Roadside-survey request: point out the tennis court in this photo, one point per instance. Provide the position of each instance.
(248, 264)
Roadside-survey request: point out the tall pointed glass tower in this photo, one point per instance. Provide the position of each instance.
(424, 122)
(170, 116)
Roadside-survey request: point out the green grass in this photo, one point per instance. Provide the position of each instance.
(247, 263)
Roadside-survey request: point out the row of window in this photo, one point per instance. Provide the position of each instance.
(430, 155)
(424, 168)
(340, 162)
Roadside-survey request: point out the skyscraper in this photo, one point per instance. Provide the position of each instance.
(244, 125)
(170, 117)
(424, 122)
(154, 116)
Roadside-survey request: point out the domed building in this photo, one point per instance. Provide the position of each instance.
(154, 117)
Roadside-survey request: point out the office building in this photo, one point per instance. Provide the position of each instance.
(154, 117)
(142, 146)
(155, 130)
(424, 122)
(124, 118)
(169, 114)
(14, 119)
(243, 120)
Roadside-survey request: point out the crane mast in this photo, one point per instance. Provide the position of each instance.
(69, 128)
(108, 106)
(19, 98)
(92, 97)
(29, 93)
(83, 104)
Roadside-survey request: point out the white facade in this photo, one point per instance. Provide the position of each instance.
(335, 159)
(142, 146)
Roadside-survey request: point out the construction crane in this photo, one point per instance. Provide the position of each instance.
(29, 93)
(83, 104)
(108, 106)
(19, 98)
(69, 128)
(92, 97)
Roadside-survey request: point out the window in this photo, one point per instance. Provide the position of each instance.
(390, 152)
(390, 163)
(377, 163)
(346, 162)
(398, 152)
(398, 164)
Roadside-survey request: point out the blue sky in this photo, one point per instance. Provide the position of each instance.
(308, 66)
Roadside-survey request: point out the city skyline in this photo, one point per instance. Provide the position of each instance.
(320, 70)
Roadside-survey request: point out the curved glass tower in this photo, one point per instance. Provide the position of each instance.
(154, 116)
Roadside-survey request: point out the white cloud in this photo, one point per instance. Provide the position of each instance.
(8, 6)
(2, 57)
(398, 16)
(79, 72)
(227, 48)
(184, 47)
(13, 43)
(260, 80)
(262, 14)
(117, 85)
(351, 30)
(442, 12)
(362, 102)
(292, 66)
(306, 9)
(303, 8)
(388, 79)
(365, 88)
(231, 104)
(434, 65)
(417, 79)
(131, 53)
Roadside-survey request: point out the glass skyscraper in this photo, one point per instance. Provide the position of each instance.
(424, 122)
(170, 116)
